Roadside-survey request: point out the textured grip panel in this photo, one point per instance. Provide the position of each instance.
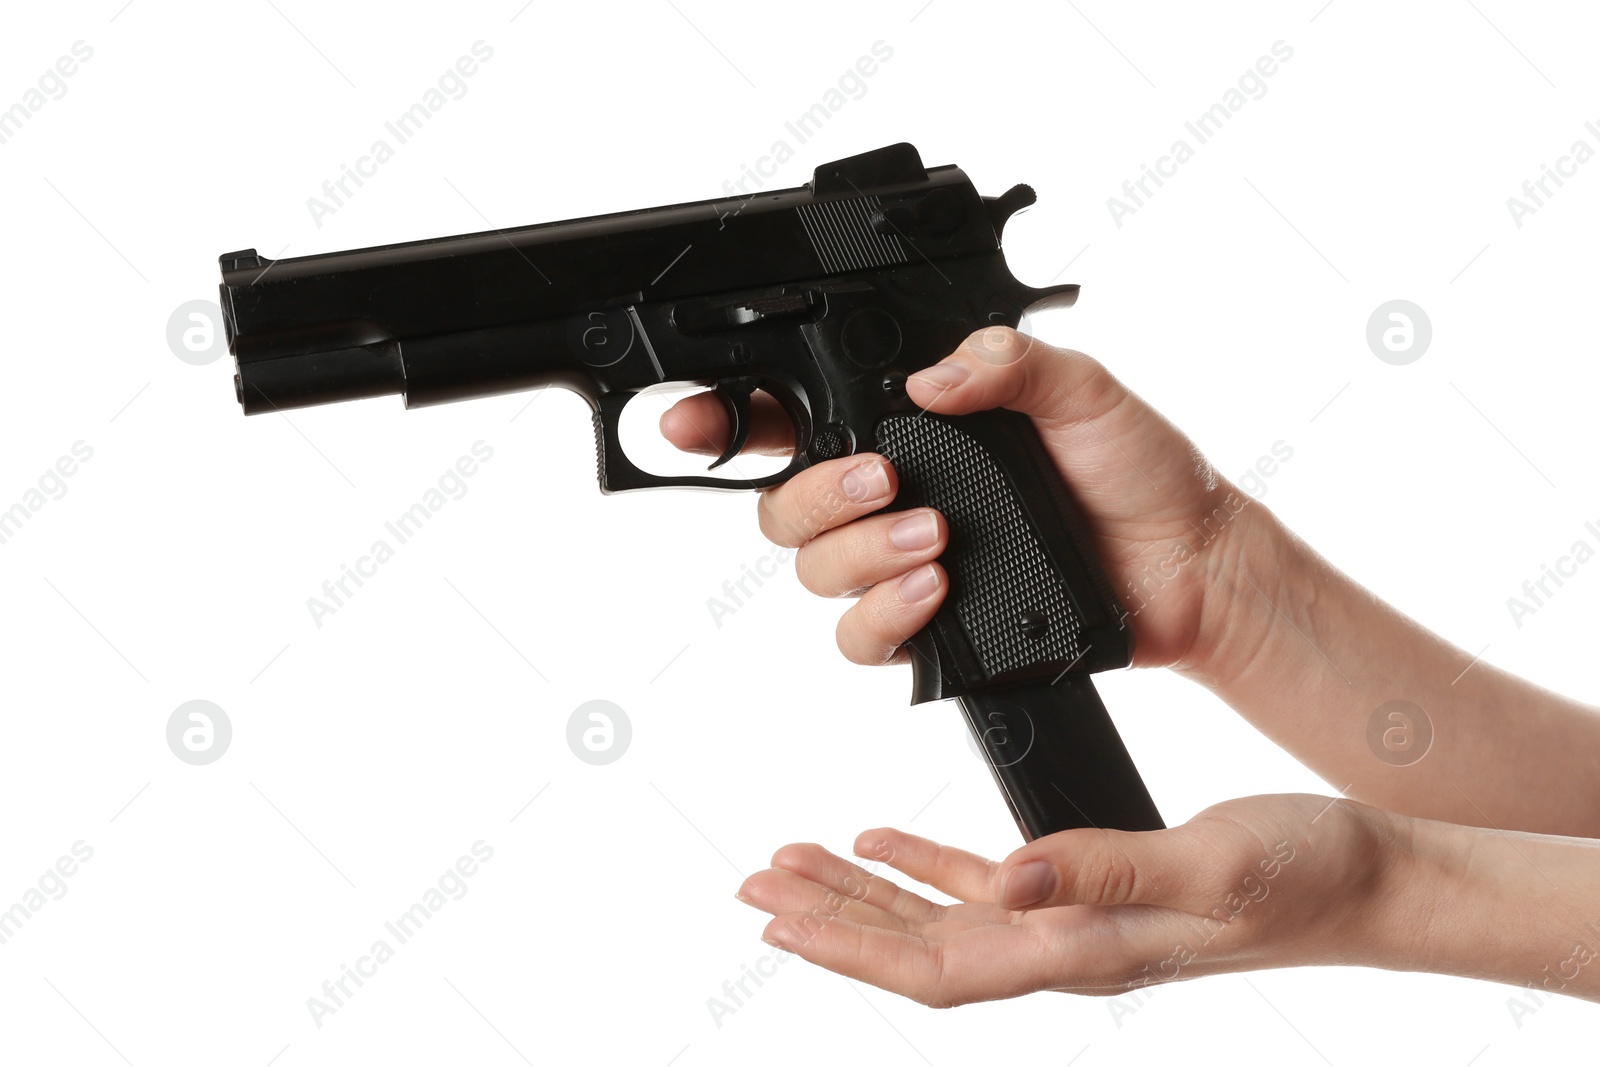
(999, 570)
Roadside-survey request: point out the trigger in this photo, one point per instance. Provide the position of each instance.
(735, 396)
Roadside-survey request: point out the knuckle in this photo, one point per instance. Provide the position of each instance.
(814, 573)
(835, 903)
(793, 513)
(1105, 879)
(771, 507)
(787, 520)
(850, 644)
(1087, 365)
(882, 614)
(833, 565)
(857, 642)
(853, 557)
(1092, 387)
(999, 346)
(991, 874)
(994, 879)
(823, 497)
(844, 635)
(1237, 850)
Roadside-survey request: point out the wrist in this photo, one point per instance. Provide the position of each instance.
(1232, 630)
(1364, 872)
(1403, 924)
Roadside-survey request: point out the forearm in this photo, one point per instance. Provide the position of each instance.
(1518, 908)
(1310, 657)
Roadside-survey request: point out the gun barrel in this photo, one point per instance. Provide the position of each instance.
(491, 312)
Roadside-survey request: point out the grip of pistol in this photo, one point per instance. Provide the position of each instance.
(1029, 603)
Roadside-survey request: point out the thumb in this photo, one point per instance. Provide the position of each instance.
(999, 367)
(1168, 868)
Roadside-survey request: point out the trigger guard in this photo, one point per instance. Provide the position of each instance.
(619, 474)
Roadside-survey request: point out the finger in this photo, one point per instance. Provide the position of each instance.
(818, 865)
(1170, 868)
(777, 891)
(870, 550)
(824, 496)
(699, 424)
(999, 367)
(952, 871)
(874, 631)
(981, 963)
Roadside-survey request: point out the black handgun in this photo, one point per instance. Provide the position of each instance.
(825, 297)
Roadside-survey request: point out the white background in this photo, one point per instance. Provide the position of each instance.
(370, 753)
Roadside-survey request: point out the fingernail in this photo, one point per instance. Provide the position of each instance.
(914, 532)
(1028, 884)
(774, 944)
(741, 898)
(943, 375)
(866, 482)
(920, 584)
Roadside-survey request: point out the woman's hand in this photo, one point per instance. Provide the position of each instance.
(1269, 881)
(1146, 490)
(1214, 585)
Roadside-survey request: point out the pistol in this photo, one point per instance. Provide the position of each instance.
(826, 297)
